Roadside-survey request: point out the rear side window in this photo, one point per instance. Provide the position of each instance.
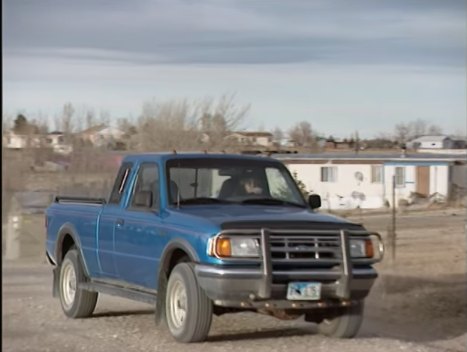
(120, 183)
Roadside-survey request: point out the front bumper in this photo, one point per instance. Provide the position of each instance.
(237, 286)
(224, 285)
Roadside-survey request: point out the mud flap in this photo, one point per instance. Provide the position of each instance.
(160, 300)
(56, 281)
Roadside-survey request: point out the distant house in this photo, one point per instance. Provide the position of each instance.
(264, 139)
(431, 142)
(459, 142)
(101, 135)
(12, 140)
(55, 138)
(333, 144)
(57, 141)
(347, 181)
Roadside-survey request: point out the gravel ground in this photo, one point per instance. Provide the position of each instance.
(418, 304)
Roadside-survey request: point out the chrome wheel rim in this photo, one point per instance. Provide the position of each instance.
(178, 304)
(68, 284)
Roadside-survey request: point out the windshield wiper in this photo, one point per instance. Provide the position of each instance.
(272, 201)
(203, 200)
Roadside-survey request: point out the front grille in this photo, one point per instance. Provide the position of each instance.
(305, 249)
(310, 247)
(299, 253)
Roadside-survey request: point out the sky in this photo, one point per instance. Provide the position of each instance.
(343, 66)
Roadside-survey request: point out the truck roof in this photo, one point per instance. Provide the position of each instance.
(164, 156)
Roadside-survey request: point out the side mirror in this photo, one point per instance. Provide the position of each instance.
(314, 200)
(143, 199)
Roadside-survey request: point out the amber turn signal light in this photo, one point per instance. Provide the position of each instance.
(369, 251)
(223, 248)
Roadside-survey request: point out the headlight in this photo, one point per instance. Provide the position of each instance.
(361, 248)
(242, 247)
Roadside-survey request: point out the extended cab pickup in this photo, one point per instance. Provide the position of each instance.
(203, 234)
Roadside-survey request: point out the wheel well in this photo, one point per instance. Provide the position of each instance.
(67, 244)
(174, 257)
(177, 256)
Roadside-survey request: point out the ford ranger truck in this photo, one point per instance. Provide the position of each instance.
(202, 234)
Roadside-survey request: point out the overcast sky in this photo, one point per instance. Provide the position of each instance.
(341, 65)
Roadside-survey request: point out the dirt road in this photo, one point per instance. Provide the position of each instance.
(418, 304)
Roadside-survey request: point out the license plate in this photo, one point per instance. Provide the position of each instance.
(307, 291)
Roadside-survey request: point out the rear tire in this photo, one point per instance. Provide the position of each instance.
(75, 302)
(344, 326)
(188, 310)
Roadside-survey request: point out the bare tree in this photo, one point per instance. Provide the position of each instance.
(129, 139)
(90, 118)
(41, 123)
(79, 118)
(232, 113)
(166, 125)
(7, 122)
(104, 117)
(418, 128)
(126, 125)
(67, 123)
(404, 132)
(381, 141)
(57, 122)
(188, 125)
(278, 135)
(218, 118)
(435, 130)
(302, 134)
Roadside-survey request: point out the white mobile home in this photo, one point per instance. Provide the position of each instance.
(431, 142)
(349, 181)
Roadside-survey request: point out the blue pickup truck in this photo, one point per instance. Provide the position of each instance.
(203, 234)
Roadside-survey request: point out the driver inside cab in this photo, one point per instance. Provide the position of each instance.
(250, 186)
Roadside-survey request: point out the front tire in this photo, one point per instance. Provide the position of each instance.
(75, 302)
(345, 325)
(187, 308)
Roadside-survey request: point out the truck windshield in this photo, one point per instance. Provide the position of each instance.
(243, 181)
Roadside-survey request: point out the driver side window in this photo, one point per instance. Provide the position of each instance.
(145, 195)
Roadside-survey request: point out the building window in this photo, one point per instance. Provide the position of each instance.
(400, 176)
(328, 174)
(376, 174)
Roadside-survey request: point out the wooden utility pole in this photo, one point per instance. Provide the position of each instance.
(393, 218)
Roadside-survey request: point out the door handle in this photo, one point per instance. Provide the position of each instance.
(119, 222)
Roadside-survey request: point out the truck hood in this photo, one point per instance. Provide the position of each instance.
(255, 216)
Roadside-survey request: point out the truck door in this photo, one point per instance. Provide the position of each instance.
(138, 241)
(109, 219)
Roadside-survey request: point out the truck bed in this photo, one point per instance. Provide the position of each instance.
(82, 214)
